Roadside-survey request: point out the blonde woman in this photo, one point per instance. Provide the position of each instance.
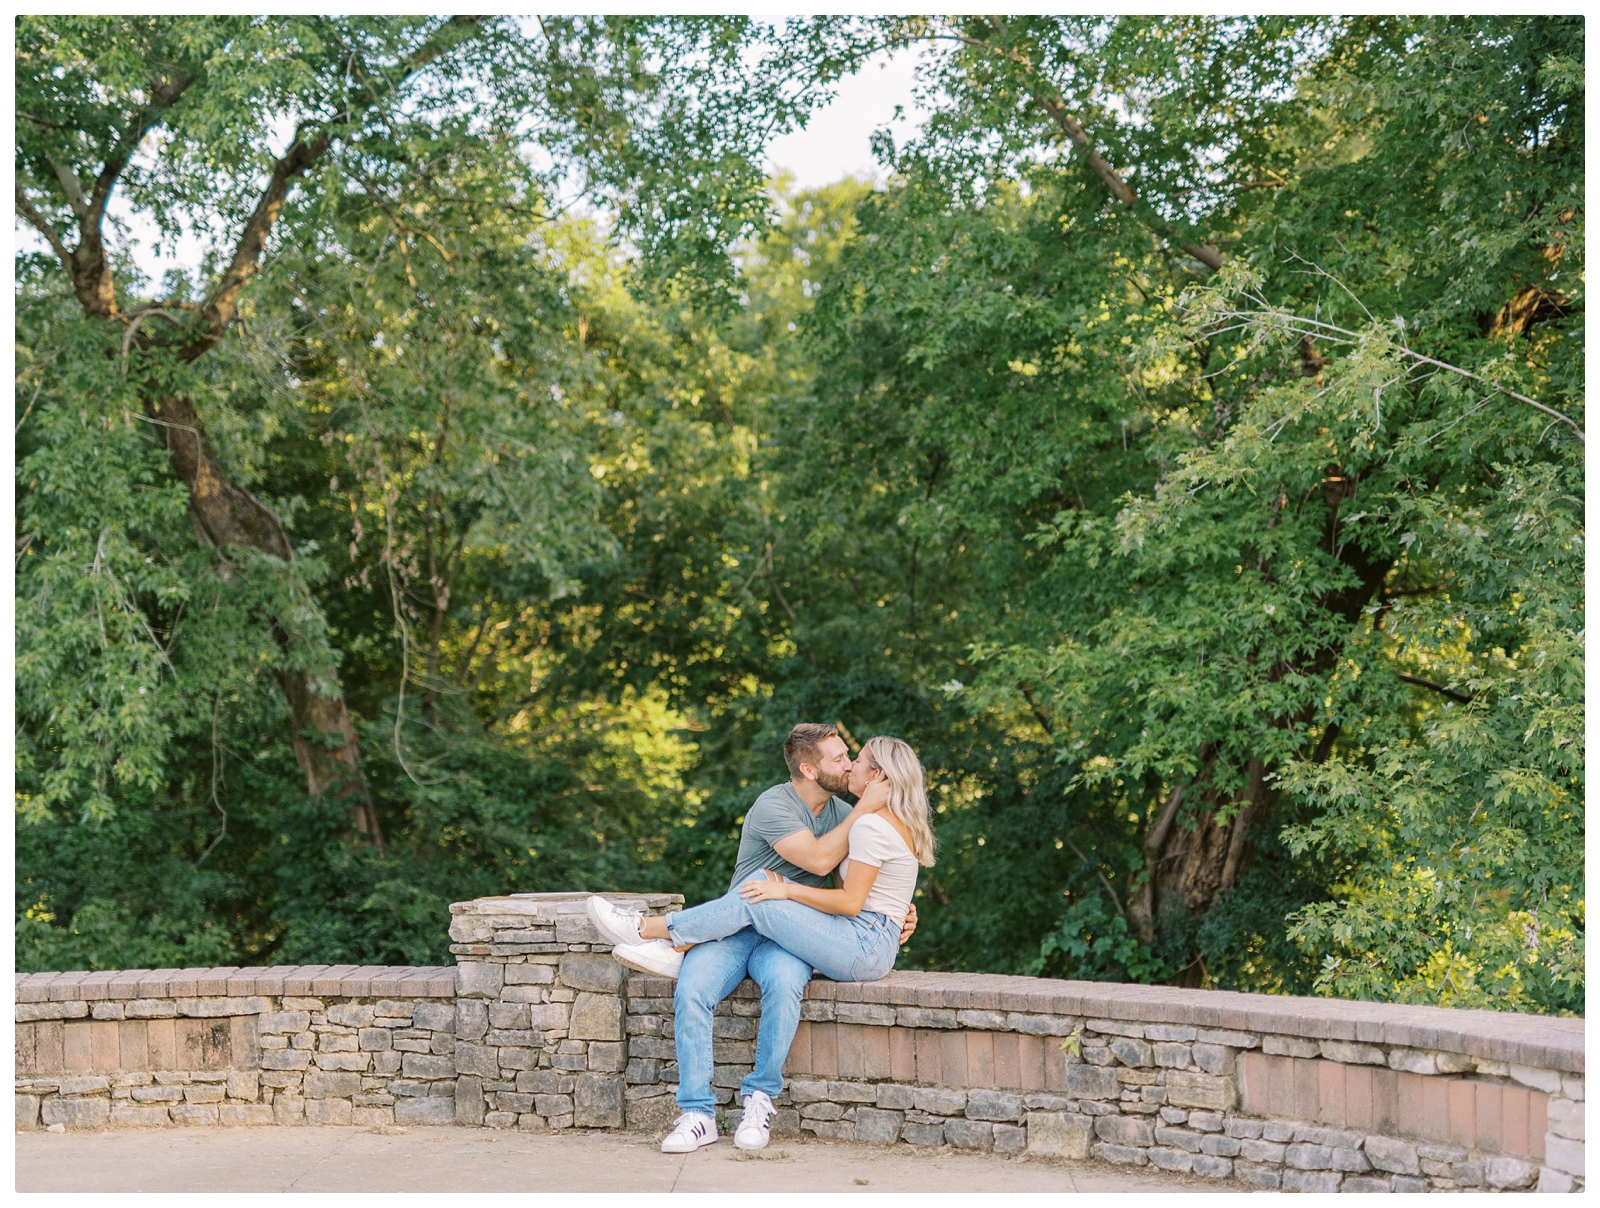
(847, 934)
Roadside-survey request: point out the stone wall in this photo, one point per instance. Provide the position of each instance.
(538, 1028)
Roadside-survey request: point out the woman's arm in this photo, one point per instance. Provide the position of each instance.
(858, 883)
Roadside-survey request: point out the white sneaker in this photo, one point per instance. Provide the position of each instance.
(650, 956)
(618, 926)
(755, 1127)
(689, 1132)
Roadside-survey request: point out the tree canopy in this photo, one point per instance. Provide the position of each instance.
(1181, 446)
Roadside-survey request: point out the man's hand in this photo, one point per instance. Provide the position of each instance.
(909, 925)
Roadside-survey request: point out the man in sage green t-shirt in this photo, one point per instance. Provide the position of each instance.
(800, 830)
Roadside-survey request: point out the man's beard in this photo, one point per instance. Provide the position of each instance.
(834, 784)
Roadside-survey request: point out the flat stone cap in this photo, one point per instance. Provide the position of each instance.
(551, 905)
(230, 981)
(1541, 1041)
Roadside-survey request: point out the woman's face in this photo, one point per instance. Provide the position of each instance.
(862, 773)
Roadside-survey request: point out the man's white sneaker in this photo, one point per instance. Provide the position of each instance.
(755, 1126)
(617, 925)
(689, 1132)
(650, 956)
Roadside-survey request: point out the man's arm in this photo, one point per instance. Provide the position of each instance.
(822, 855)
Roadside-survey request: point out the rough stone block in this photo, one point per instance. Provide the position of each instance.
(1091, 1082)
(993, 1105)
(1037, 1025)
(1124, 1130)
(985, 1021)
(1353, 1161)
(285, 1059)
(1257, 1176)
(1060, 1135)
(878, 1127)
(328, 1111)
(553, 1105)
(76, 1114)
(1169, 1055)
(1218, 1146)
(1170, 1159)
(472, 1019)
(871, 1014)
(1212, 1167)
(1311, 1180)
(139, 1115)
(1555, 1181)
(434, 1016)
(1009, 1138)
(1231, 1040)
(597, 1101)
(1504, 1172)
(1564, 1154)
(1398, 1157)
(351, 1014)
(477, 1059)
(203, 1094)
(243, 1084)
(425, 1065)
(469, 1101)
(1191, 1088)
(894, 1097)
(1541, 1080)
(1289, 1046)
(1350, 1053)
(1178, 1138)
(938, 1100)
(833, 1130)
(324, 1084)
(432, 1110)
(478, 979)
(1268, 1153)
(192, 1115)
(1303, 1156)
(1133, 1053)
(607, 1056)
(969, 1134)
(1213, 1058)
(922, 1134)
(923, 1017)
(1121, 1155)
(657, 1112)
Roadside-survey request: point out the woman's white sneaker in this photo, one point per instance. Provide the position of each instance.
(755, 1126)
(689, 1132)
(650, 956)
(618, 926)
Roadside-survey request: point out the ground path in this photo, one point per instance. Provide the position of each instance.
(476, 1159)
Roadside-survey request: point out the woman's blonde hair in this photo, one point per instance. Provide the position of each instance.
(908, 799)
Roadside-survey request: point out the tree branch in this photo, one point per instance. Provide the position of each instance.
(1439, 688)
(1049, 99)
(73, 190)
(222, 305)
(38, 222)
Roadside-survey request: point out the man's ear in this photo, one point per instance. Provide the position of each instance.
(808, 771)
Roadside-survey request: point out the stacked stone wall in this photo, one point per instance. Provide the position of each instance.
(537, 1027)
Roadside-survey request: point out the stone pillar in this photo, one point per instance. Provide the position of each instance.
(540, 1010)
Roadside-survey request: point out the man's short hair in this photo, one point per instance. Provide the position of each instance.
(804, 745)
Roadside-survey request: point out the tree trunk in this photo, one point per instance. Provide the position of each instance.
(226, 516)
(1189, 860)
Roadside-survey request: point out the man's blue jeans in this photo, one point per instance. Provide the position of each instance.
(862, 947)
(710, 973)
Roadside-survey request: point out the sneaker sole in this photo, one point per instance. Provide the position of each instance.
(738, 1144)
(635, 965)
(692, 1148)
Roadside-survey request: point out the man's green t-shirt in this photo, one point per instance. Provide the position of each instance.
(778, 813)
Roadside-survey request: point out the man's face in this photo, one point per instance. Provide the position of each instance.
(833, 772)
(862, 773)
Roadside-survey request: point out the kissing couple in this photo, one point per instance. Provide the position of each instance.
(779, 920)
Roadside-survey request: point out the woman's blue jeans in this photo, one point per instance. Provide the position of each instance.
(862, 948)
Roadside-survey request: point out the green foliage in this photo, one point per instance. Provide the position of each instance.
(980, 457)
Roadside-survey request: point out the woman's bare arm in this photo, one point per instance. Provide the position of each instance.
(858, 883)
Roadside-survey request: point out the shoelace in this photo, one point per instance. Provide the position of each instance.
(758, 1113)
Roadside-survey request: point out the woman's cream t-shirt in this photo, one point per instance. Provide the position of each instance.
(874, 841)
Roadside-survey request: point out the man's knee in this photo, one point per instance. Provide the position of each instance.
(782, 973)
